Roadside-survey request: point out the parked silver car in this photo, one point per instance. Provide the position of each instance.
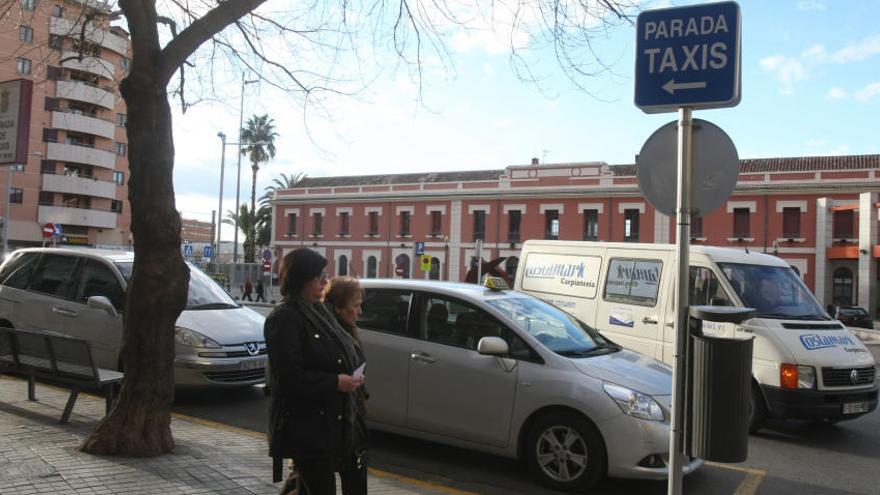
(503, 372)
(81, 293)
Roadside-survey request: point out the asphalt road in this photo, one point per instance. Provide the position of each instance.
(784, 458)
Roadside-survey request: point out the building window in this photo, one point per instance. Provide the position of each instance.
(56, 43)
(591, 225)
(844, 223)
(16, 194)
(121, 119)
(371, 267)
(47, 167)
(57, 11)
(291, 224)
(115, 206)
(434, 273)
(343, 223)
(24, 66)
(551, 224)
(479, 225)
(741, 228)
(405, 224)
(125, 63)
(342, 268)
(696, 226)
(50, 135)
(317, 224)
(791, 223)
(17, 167)
(26, 34)
(54, 73)
(513, 227)
(119, 178)
(842, 290)
(374, 223)
(28, 4)
(436, 223)
(47, 198)
(52, 104)
(631, 225)
(120, 149)
(510, 266)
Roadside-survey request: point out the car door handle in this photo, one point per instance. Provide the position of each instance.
(422, 358)
(64, 312)
(649, 320)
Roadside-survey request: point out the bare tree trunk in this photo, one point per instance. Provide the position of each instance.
(139, 423)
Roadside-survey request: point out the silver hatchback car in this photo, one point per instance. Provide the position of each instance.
(503, 372)
(81, 293)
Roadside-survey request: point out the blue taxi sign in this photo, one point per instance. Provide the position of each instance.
(688, 57)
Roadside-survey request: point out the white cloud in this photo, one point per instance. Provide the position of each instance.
(815, 54)
(836, 94)
(859, 50)
(807, 5)
(787, 70)
(813, 143)
(868, 92)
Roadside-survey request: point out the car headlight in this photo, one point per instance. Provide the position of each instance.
(634, 403)
(192, 338)
(806, 377)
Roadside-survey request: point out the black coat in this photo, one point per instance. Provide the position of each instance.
(308, 417)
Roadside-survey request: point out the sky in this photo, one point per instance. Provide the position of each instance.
(810, 86)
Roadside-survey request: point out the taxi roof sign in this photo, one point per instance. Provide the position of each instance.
(496, 283)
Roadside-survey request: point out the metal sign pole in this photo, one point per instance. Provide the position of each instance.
(679, 372)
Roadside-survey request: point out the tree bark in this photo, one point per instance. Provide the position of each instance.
(139, 423)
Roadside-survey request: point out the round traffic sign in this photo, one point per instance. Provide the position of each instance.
(267, 255)
(48, 230)
(267, 265)
(714, 160)
(399, 270)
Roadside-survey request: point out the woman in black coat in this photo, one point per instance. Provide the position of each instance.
(313, 414)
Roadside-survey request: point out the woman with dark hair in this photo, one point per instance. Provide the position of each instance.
(344, 298)
(314, 418)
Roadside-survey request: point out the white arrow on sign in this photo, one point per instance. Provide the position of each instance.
(671, 86)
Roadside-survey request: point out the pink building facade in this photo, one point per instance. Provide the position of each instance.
(817, 213)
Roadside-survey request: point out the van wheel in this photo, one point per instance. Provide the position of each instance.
(566, 452)
(757, 410)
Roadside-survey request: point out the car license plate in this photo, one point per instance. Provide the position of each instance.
(856, 408)
(253, 364)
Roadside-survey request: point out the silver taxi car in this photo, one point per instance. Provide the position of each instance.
(503, 372)
(81, 293)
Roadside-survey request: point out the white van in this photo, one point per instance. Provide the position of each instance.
(805, 364)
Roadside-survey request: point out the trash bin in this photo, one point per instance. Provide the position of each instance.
(721, 376)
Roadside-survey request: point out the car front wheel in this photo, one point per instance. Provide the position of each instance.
(566, 452)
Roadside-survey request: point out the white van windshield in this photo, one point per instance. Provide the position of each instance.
(203, 293)
(549, 325)
(774, 291)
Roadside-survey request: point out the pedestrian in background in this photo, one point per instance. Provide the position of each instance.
(344, 298)
(313, 412)
(259, 291)
(248, 290)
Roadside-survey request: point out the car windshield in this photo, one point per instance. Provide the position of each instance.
(853, 312)
(204, 292)
(774, 291)
(556, 329)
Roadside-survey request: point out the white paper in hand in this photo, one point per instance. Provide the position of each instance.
(359, 373)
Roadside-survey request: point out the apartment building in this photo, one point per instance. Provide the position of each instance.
(76, 170)
(817, 213)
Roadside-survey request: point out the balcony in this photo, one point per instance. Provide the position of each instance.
(81, 154)
(69, 28)
(96, 66)
(77, 216)
(87, 186)
(80, 91)
(79, 122)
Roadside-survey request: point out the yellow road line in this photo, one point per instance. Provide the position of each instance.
(755, 471)
(750, 484)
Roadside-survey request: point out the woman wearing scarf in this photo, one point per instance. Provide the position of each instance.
(344, 298)
(314, 418)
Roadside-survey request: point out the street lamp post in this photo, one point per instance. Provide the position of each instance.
(244, 82)
(220, 205)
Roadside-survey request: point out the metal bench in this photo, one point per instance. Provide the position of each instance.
(61, 360)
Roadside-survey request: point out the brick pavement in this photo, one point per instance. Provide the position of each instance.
(39, 456)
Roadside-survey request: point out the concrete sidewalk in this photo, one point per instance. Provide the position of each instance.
(39, 456)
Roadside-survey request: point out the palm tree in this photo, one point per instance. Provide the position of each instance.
(283, 182)
(258, 144)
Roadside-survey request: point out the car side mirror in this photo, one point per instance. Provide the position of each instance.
(493, 346)
(719, 301)
(101, 302)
